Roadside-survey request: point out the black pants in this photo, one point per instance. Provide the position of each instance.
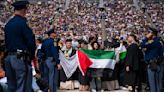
(96, 83)
(1, 89)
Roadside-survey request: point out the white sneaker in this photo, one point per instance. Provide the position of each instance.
(123, 88)
(93, 90)
(62, 85)
(76, 84)
(102, 91)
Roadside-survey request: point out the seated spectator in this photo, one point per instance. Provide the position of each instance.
(3, 81)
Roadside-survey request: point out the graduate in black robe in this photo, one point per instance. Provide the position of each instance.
(83, 79)
(68, 83)
(132, 63)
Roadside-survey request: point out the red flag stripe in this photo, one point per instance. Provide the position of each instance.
(84, 61)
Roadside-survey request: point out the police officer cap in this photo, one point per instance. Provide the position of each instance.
(50, 31)
(153, 30)
(20, 4)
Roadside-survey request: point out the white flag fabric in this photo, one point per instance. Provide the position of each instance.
(120, 52)
(69, 65)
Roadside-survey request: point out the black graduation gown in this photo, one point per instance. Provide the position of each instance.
(84, 80)
(63, 77)
(132, 60)
(109, 74)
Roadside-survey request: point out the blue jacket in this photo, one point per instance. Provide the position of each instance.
(18, 35)
(153, 49)
(50, 50)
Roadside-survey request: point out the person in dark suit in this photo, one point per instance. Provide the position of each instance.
(20, 46)
(132, 63)
(51, 64)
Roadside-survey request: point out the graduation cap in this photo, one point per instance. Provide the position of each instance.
(82, 42)
(68, 40)
(21, 4)
(50, 31)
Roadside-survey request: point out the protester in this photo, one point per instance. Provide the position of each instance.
(71, 82)
(83, 79)
(96, 74)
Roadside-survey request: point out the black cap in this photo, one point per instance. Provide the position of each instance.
(21, 4)
(50, 31)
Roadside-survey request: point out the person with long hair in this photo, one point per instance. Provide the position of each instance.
(95, 74)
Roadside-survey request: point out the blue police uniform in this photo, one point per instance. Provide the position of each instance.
(51, 55)
(19, 39)
(154, 51)
(18, 36)
(162, 69)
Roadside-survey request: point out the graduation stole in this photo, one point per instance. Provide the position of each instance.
(67, 53)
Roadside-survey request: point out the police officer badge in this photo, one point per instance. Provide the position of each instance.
(55, 44)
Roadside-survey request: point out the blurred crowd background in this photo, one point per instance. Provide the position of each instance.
(83, 17)
(87, 19)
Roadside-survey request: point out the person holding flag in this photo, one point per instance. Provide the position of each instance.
(83, 79)
(95, 73)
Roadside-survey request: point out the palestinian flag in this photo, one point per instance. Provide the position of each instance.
(121, 52)
(95, 59)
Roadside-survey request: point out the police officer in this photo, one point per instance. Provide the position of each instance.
(153, 56)
(20, 46)
(50, 50)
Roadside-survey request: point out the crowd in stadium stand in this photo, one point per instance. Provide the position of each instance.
(121, 17)
(82, 22)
